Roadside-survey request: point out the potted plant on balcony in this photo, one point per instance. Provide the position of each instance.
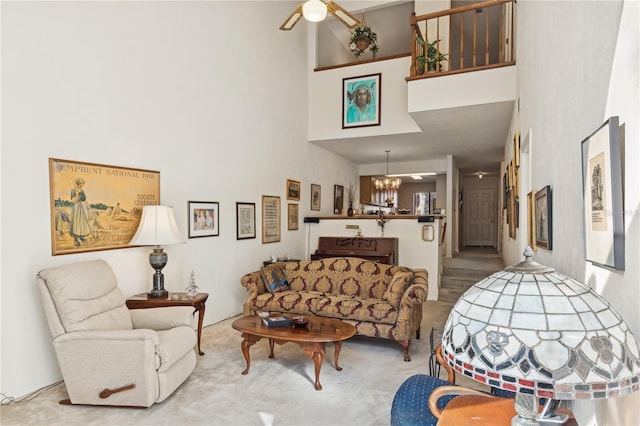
(362, 38)
(431, 57)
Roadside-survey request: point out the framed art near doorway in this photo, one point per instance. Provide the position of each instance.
(544, 223)
(602, 194)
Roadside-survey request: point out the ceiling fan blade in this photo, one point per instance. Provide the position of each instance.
(345, 17)
(293, 19)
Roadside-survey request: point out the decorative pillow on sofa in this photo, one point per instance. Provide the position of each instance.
(399, 283)
(274, 278)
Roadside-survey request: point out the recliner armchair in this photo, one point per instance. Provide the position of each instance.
(108, 354)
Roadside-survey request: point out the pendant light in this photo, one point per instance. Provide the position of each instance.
(387, 183)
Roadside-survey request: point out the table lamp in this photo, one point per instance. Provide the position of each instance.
(540, 334)
(157, 227)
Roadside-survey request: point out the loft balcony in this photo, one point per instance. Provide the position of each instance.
(459, 107)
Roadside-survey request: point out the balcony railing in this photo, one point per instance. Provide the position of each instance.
(468, 38)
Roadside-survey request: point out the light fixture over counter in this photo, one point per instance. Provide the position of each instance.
(387, 183)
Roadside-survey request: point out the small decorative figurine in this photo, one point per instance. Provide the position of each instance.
(192, 288)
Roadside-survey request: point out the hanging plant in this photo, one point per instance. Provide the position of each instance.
(362, 39)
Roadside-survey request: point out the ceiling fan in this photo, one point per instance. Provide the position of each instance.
(316, 11)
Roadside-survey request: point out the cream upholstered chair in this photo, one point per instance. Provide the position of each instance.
(108, 354)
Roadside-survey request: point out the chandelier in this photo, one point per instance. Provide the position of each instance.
(387, 183)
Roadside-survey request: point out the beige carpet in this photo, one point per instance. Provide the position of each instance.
(276, 391)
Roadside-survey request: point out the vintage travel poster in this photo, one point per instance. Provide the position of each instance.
(97, 207)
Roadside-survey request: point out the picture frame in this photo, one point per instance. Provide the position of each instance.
(95, 206)
(361, 101)
(531, 223)
(271, 230)
(293, 190)
(602, 196)
(543, 218)
(516, 149)
(245, 220)
(338, 199)
(292, 217)
(315, 197)
(204, 219)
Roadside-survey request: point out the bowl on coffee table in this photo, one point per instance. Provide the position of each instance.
(299, 322)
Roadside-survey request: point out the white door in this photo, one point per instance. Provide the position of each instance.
(480, 217)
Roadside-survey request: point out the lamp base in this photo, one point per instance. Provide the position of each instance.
(158, 286)
(158, 294)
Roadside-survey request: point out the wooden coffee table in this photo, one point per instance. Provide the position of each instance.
(313, 338)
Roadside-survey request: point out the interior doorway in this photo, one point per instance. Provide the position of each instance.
(479, 215)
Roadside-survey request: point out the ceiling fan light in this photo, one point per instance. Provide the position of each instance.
(314, 10)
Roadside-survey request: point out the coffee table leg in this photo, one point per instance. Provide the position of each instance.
(316, 352)
(248, 340)
(271, 348)
(336, 353)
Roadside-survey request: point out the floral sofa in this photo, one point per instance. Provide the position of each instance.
(379, 300)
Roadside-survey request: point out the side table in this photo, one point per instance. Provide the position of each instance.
(142, 301)
(470, 410)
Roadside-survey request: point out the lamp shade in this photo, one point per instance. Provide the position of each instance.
(157, 227)
(531, 330)
(314, 10)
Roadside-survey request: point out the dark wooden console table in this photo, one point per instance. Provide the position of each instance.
(142, 301)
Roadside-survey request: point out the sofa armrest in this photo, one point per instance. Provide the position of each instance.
(164, 318)
(418, 291)
(254, 284)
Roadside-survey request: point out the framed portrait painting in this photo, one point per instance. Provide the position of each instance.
(270, 219)
(602, 194)
(315, 197)
(97, 207)
(245, 221)
(361, 101)
(293, 190)
(544, 224)
(204, 219)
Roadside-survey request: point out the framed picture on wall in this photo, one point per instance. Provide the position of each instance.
(270, 219)
(245, 221)
(361, 101)
(544, 223)
(602, 194)
(95, 206)
(292, 217)
(338, 199)
(293, 190)
(531, 223)
(315, 196)
(204, 219)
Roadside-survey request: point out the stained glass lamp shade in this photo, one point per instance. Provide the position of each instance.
(533, 331)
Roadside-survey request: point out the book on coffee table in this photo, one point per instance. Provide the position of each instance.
(276, 321)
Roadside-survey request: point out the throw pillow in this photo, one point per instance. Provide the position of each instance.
(274, 278)
(399, 283)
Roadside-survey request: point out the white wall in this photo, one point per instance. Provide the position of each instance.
(178, 87)
(578, 64)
